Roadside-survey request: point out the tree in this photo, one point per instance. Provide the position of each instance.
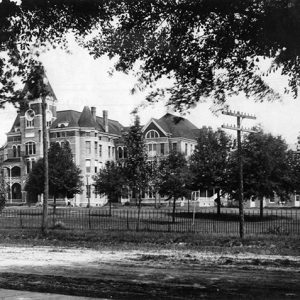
(110, 180)
(209, 47)
(208, 163)
(174, 178)
(3, 192)
(136, 167)
(266, 168)
(64, 176)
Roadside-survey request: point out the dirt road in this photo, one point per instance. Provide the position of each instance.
(153, 274)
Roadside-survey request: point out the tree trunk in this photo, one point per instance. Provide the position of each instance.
(218, 203)
(109, 207)
(261, 207)
(139, 211)
(174, 209)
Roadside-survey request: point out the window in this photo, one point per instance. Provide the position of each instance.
(88, 147)
(113, 152)
(162, 149)
(96, 148)
(19, 150)
(120, 152)
(186, 149)
(58, 134)
(272, 199)
(100, 150)
(30, 124)
(88, 166)
(109, 151)
(152, 134)
(174, 146)
(88, 134)
(152, 150)
(48, 123)
(28, 166)
(14, 148)
(96, 166)
(30, 148)
(125, 152)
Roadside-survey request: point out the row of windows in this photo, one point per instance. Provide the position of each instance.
(97, 166)
(98, 150)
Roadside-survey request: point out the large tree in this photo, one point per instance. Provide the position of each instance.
(174, 178)
(136, 167)
(266, 168)
(209, 47)
(111, 180)
(64, 176)
(209, 160)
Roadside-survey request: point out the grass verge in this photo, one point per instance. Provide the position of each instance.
(262, 244)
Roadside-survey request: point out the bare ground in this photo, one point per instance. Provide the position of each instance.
(150, 273)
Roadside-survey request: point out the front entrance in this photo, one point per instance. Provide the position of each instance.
(16, 192)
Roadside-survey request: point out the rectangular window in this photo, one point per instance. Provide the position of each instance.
(113, 151)
(186, 149)
(96, 166)
(88, 166)
(162, 149)
(96, 148)
(58, 134)
(174, 146)
(30, 124)
(100, 150)
(88, 134)
(28, 165)
(88, 147)
(109, 151)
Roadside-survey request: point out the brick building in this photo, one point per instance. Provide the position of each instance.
(93, 141)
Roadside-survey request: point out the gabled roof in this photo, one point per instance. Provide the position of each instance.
(16, 123)
(177, 126)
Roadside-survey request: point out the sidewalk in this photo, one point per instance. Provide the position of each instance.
(25, 295)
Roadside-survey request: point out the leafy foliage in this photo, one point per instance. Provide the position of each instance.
(3, 192)
(175, 178)
(110, 180)
(210, 48)
(64, 175)
(136, 168)
(265, 166)
(208, 163)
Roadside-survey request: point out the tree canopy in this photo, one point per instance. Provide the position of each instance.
(210, 48)
(64, 175)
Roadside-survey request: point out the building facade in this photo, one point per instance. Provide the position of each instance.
(93, 140)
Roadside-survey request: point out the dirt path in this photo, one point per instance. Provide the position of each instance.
(159, 274)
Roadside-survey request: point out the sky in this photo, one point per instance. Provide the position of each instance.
(78, 80)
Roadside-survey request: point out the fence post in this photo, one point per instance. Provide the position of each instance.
(21, 223)
(127, 219)
(90, 226)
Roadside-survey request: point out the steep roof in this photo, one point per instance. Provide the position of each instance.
(85, 119)
(16, 123)
(177, 126)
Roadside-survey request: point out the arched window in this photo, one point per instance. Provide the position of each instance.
(125, 152)
(152, 134)
(30, 148)
(16, 171)
(14, 151)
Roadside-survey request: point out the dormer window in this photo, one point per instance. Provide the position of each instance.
(152, 134)
(62, 124)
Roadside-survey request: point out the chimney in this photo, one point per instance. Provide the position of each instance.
(105, 120)
(93, 110)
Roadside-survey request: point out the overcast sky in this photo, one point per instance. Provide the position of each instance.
(78, 80)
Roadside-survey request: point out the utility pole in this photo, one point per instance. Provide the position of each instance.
(239, 130)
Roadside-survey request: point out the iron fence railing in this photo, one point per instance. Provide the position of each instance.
(204, 220)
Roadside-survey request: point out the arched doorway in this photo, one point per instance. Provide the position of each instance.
(16, 191)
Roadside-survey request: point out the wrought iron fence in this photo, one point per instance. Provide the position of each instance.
(204, 220)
